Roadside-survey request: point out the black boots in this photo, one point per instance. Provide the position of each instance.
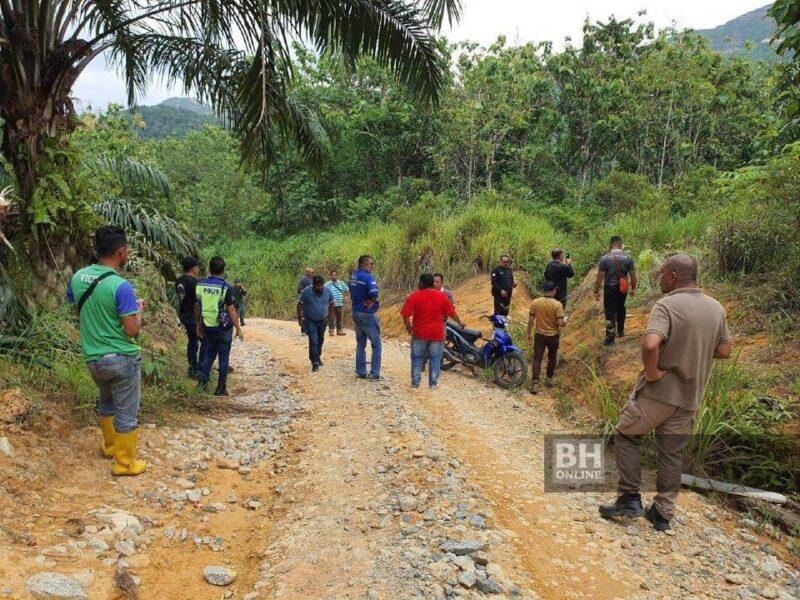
(630, 505)
(221, 390)
(627, 505)
(658, 521)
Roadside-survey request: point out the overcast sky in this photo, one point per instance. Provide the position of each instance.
(483, 20)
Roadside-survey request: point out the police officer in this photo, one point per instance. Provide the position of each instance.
(502, 286)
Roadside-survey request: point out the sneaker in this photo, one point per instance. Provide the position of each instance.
(435, 386)
(655, 517)
(361, 376)
(340, 333)
(627, 505)
(374, 377)
(415, 386)
(534, 387)
(221, 391)
(315, 367)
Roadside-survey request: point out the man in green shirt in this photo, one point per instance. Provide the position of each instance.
(110, 319)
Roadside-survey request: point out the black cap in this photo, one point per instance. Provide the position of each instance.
(549, 286)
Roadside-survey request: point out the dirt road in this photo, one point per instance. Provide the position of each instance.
(320, 485)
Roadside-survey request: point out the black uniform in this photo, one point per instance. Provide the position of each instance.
(186, 288)
(558, 273)
(502, 279)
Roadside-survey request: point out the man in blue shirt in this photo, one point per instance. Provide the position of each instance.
(313, 307)
(216, 318)
(364, 298)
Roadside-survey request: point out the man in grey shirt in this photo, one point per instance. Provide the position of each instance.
(313, 307)
(616, 274)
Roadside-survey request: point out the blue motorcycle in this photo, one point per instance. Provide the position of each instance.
(498, 353)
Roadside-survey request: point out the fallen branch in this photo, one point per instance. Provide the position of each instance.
(732, 488)
(788, 520)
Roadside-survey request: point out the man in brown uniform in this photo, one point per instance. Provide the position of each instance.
(687, 329)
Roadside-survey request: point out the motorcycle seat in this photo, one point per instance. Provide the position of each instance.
(467, 333)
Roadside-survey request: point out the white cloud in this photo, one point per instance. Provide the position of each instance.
(483, 21)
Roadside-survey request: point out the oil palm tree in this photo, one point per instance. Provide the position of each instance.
(231, 54)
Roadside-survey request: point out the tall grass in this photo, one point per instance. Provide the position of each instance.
(601, 399)
(414, 241)
(737, 434)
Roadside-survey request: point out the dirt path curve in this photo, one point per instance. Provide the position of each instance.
(545, 545)
(320, 485)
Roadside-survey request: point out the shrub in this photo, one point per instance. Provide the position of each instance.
(621, 192)
(756, 232)
(693, 190)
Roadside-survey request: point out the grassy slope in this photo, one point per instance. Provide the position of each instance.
(460, 246)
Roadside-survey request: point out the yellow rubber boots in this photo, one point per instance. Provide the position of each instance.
(125, 461)
(107, 427)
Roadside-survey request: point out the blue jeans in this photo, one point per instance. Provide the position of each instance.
(192, 343)
(420, 349)
(119, 379)
(316, 337)
(367, 327)
(217, 344)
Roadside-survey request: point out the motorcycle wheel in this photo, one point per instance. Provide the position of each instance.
(510, 370)
(447, 361)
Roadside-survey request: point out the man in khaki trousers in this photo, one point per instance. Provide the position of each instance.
(686, 331)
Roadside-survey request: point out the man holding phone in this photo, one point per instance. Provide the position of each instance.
(558, 270)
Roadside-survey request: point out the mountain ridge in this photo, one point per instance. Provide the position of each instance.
(748, 34)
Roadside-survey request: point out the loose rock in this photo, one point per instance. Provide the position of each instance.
(216, 575)
(54, 585)
(460, 548)
(6, 447)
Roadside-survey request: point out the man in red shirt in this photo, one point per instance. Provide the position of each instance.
(423, 313)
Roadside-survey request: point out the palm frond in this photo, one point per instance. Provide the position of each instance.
(394, 32)
(156, 228)
(14, 317)
(265, 113)
(437, 9)
(132, 175)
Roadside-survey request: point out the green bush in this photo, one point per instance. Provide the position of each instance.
(693, 190)
(756, 232)
(621, 192)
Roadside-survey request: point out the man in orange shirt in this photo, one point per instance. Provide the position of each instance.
(423, 314)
